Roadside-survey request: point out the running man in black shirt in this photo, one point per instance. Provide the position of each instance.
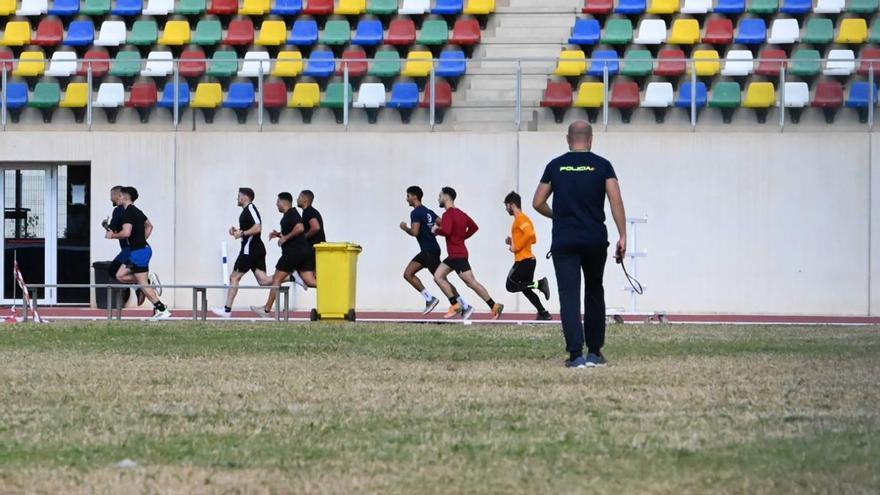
(136, 228)
(579, 182)
(252, 256)
(421, 222)
(314, 234)
(294, 251)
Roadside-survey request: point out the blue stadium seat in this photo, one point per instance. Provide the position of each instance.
(405, 98)
(752, 32)
(451, 65)
(80, 33)
(796, 7)
(684, 95)
(734, 7)
(321, 64)
(369, 33)
(287, 7)
(585, 32)
(630, 7)
(860, 99)
(167, 100)
(128, 7)
(448, 7)
(240, 98)
(602, 58)
(16, 98)
(304, 33)
(65, 8)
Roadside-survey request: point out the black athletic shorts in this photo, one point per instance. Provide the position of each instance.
(459, 265)
(309, 263)
(523, 271)
(293, 260)
(428, 259)
(250, 262)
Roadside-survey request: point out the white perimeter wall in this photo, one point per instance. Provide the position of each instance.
(738, 222)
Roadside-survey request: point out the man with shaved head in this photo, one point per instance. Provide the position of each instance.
(579, 181)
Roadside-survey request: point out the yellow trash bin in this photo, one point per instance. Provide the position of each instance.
(337, 280)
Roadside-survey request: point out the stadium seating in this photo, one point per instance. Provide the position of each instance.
(371, 97)
(62, 64)
(159, 7)
(625, 98)
(590, 96)
(110, 97)
(726, 97)
(143, 98)
(336, 97)
(658, 97)
(369, 33)
(405, 98)
(760, 96)
(651, 32)
(46, 97)
(442, 99)
(354, 60)
(829, 98)
(274, 99)
(304, 33)
(318, 7)
(167, 100)
(692, 95)
(240, 99)
(49, 32)
(287, 7)
(861, 98)
(208, 97)
(64, 8)
(76, 97)
(306, 97)
(585, 32)
(558, 98)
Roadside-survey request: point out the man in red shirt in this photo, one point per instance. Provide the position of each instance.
(457, 227)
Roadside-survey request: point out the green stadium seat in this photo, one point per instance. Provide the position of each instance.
(336, 33)
(819, 31)
(618, 32)
(874, 35)
(144, 32)
(805, 63)
(46, 97)
(863, 6)
(434, 32)
(763, 7)
(385, 65)
(95, 8)
(382, 7)
(127, 64)
(223, 64)
(208, 32)
(637, 63)
(335, 100)
(726, 96)
(191, 7)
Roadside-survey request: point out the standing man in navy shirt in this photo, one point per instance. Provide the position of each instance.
(421, 224)
(579, 182)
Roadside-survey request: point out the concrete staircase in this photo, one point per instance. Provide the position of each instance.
(519, 29)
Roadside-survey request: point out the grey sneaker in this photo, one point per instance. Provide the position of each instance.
(578, 362)
(154, 280)
(595, 360)
(430, 305)
(467, 312)
(221, 312)
(260, 311)
(161, 315)
(544, 287)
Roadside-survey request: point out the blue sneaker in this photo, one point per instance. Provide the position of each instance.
(594, 360)
(578, 362)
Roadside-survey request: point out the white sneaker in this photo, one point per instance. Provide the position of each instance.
(154, 280)
(161, 315)
(261, 311)
(221, 312)
(467, 312)
(299, 281)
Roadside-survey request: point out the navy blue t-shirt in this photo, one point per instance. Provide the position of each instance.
(116, 224)
(578, 181)
(426, 220)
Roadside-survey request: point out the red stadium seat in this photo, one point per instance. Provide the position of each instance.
(598, 7)
(357, 68)
(624, 97)
(6, 54)
(829, 97)
(50, 32)
(223, 7)
(719, 31)
(143, 98)
(442, 101)
(240, 32)
(770, 62)
(870, 57)
(671, 63)
(274, 99)
(557, 97)
(99, 59)
(401, 32)
(318, 7)
(192, 64)
(466, 32)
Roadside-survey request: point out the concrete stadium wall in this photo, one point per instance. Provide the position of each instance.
(738, 222)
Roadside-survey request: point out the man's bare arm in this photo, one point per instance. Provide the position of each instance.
(542, 195)
(612, 189)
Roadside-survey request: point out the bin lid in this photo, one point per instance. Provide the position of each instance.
(338, 246)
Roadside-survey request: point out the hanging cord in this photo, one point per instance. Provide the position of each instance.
(633, 282)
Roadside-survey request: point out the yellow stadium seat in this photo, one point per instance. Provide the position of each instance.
(590, 95)
(305, 95)
(684, 32)
(254, 7)
(760, 95)
(17, 33)
(571, 63)
(418, 64)
(30, 64)
(853, 31)
(706, 62)
(208, 95)
(8, 7)
(351, 7)
(479, 7)
(288, 64)
(75, 96)
(176, 33)
(272, 33)
(663, 7)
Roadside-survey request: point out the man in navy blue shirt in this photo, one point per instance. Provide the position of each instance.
(579, 182)
(421, 222)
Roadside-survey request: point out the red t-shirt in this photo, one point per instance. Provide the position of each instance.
(456, 227)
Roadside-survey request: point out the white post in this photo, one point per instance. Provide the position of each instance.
(605, 97)
(518, 94)
(693, 95)
(3, 103)
(260, 91)
(345, 95)
(433, 100)
(176, 93)
(89, 99)
(871, 96)
(782, 98)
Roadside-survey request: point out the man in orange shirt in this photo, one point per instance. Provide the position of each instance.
(522, 275)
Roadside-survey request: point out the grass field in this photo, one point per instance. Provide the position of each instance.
(326, 408)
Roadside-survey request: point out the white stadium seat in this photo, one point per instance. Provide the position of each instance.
(414, 7)
(63, 64)
(110, 95)
(159, 64)
(738, 63)
(829, 6)
(784, 32)
(159, 7)
(33, 7)
(651, 32)
(796, 95)
(696, 7)
(658, 95)
(112, 33)
(251, 65)
(840, 63)
(370, 95)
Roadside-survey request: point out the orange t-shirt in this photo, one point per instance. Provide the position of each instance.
(522, 237)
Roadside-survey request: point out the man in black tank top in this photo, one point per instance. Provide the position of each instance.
(252, 256)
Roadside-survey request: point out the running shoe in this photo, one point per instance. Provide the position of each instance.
(221, 312)
(261, 311)
(466, 314)
(595, 360)
(578, 362)
(430, 305)
(454, 310)
(544, 287)
(161, 315)
(545, 316)
(154, 280)
(141, 297)
(295, 278)
(497, 310)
